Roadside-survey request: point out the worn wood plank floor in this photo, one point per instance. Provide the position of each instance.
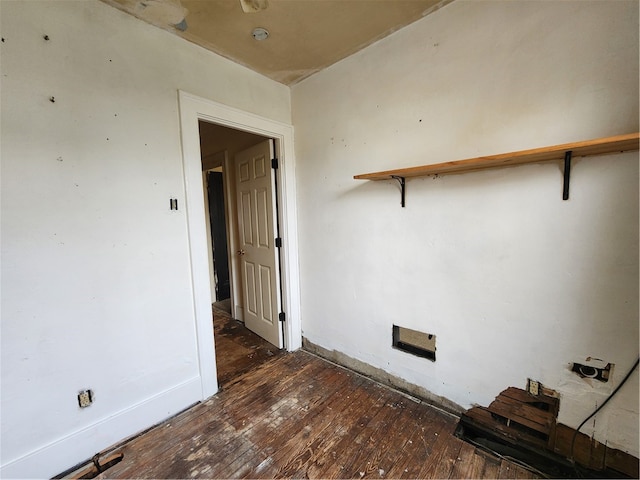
(294, 415)
(238, 350)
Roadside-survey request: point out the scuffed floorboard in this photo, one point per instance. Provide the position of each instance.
(295, 415)
(238, 350)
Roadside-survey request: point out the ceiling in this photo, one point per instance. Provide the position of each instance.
(305, 36)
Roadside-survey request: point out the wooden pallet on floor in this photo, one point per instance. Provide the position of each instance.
(521, 425)
(517, 416)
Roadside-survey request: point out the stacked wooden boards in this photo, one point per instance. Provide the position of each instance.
(525, 425)
(518, 417)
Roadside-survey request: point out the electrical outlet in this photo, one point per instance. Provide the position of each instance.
(85, 398)
(534, 387)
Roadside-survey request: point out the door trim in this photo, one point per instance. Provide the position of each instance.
(193, 109)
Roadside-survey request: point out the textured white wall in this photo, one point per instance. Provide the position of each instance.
(96, 281)
(514, 282)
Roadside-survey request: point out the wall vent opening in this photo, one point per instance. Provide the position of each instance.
(417, 343)
(595, 370)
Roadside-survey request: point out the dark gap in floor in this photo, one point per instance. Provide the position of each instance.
(98, 464)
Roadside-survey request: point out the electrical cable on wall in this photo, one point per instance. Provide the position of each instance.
(575, 434)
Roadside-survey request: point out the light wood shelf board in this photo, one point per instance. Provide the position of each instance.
(599, 146)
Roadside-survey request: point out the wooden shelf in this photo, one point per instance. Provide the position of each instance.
(600, 146)
(565, 152)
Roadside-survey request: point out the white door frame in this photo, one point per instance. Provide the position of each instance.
(192, 110)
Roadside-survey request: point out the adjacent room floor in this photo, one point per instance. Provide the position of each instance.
(238, 350)
(285, 415)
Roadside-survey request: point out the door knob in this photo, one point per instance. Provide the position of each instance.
(240, 252)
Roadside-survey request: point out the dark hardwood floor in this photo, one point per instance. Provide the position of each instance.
(294, 415)
(238, 350)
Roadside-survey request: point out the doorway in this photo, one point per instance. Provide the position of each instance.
(219, 245)
(240, 189)
(192, 110)
(219, 145)
(216, 225)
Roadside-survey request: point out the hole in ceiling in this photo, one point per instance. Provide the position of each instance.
(260, 34)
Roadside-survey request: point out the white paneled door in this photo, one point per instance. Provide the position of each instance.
(258, 254)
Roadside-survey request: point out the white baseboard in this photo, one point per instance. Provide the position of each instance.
(65, 453)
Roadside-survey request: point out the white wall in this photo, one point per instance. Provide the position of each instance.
(96, 281)
(514, 282)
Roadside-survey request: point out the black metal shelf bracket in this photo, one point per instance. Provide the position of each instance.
(567, 175)
(402, 182)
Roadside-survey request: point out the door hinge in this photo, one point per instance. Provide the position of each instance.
(274, 163)
(278, 242)
(281, 316)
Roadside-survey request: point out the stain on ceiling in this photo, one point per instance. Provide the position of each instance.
(304, 36)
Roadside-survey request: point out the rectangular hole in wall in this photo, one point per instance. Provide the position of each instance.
(414, 342)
